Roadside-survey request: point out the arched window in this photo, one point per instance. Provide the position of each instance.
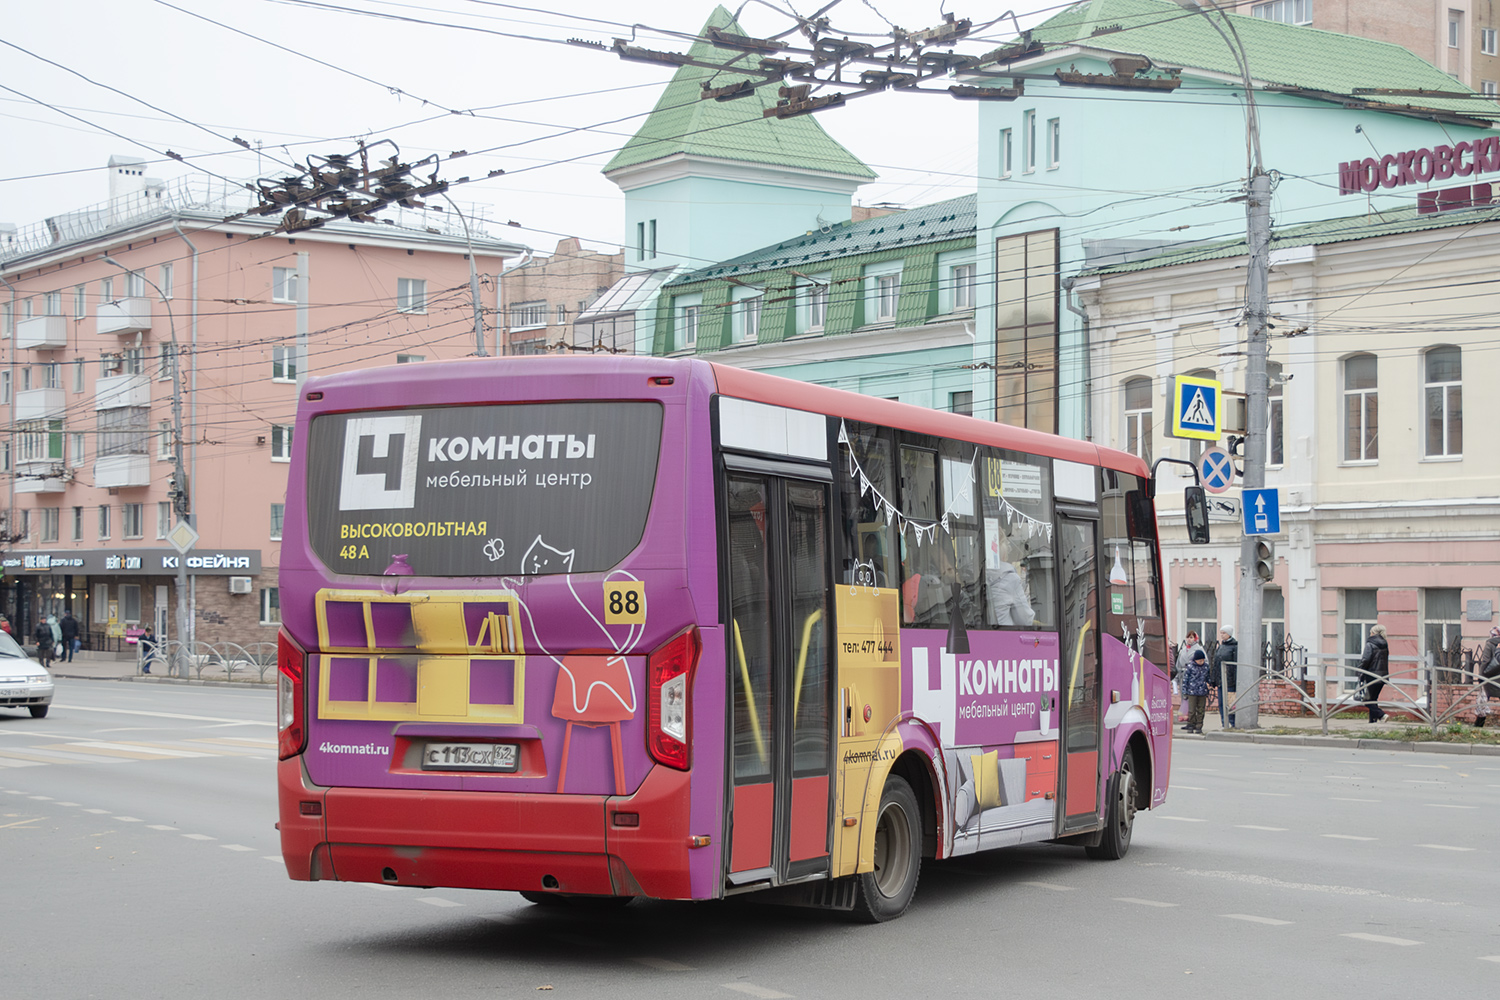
(1361, 409)
(1445, 402)
(1138, 417)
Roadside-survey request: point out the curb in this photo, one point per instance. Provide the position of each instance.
(1351, 743)
(178, 681)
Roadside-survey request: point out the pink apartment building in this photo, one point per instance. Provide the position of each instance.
(88, 350)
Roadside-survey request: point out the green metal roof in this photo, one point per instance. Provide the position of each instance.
(1358, 227)
(944, 220)
(1277, 54)
(732, 130)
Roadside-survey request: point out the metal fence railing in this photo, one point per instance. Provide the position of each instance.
(177, 659)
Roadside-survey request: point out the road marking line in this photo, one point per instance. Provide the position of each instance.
(271, 857)
(1142, 902)
(437, 901)
(1225, 756)
(1336, 798)
(1273, 795)
(40, 798)
(12, 791)
(98, 750)
(71, 805)
(1343, 836)
(127, 819)
(378, 885)
(1431, 767)
(1251, 826)
(1346, 777)
(1290, 758)
(1445, 847)
(1183, 819)
(22, 763)
(129, 747)
(97, 812)
(170, 715)
(1424, 781)
(1190, 788)
(1198, 770)
(1381, 939)
(1049, 885)
(158, 826)
(1489, 958)
(42, 755)
(764, 992)
(661, 964)
(196, 836)
(21, 822)
(1273, 774)
(1445, 805)
(1252, 918)
(236, 847)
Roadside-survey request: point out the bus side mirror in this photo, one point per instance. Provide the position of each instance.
(1197, 514)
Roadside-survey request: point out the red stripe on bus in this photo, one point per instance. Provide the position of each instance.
(809, 818)
(752, 827)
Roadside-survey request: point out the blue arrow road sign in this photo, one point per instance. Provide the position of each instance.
(1216, 470)
(1262, 512)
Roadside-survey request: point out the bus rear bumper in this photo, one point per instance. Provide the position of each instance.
(487, 840)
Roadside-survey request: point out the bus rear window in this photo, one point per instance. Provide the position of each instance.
(506, 490)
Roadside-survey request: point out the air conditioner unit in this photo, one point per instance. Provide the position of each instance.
(239, 585)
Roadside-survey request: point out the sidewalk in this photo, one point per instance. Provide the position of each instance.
(91, 666)
(1348, 733)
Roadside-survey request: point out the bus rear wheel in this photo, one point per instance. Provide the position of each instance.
(1119, 823)
(885, 893)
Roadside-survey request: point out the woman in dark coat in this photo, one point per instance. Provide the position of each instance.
(1375, 667)
(1226, 667)
(44, 643)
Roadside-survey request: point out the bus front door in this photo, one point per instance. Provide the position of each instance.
(779, 660)
(1079, 571)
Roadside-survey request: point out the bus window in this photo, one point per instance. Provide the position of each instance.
(1016, 507)
(866, 485)
(925, 562)
(1131, 578)
(750, 618)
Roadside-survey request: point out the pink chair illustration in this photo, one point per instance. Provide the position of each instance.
(593, 691)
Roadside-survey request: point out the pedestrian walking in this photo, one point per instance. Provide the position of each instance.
(44, 643)
(1375, 667)
(1488, 669)
(70, 641)
(1190, 644)
(1195, 690)
(1226, 666)
(147, 643)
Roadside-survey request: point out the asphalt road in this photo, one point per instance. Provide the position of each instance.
(138, 859)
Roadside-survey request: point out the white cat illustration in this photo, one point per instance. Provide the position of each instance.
(542, 557)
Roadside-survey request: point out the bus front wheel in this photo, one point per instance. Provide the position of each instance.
(885, 893)
(1119, 822)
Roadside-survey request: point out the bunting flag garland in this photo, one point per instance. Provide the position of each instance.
(964, 501)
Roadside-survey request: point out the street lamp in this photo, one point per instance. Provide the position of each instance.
(180, 503)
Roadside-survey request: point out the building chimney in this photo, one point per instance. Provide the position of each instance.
(127, 181)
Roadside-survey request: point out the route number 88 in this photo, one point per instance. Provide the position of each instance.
(625, 602)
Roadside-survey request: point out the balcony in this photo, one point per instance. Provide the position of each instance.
(42, 333)
(132, 315)
(111, 392)
(119, 471)
(40, 404)
(41, 477)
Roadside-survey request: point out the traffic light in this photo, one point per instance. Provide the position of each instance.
(178, 494)
(1265, 560)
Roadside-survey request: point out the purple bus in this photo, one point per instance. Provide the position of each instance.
(590, 628)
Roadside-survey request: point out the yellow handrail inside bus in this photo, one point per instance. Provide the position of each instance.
(807, 628)
(1077, 655)
(760, 740)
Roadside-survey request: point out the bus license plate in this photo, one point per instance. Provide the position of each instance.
(470, 757)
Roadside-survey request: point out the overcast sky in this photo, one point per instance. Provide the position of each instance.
(552, 113)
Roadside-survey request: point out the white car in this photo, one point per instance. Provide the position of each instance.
(24, 683)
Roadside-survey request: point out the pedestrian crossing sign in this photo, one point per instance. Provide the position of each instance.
(1196, 408)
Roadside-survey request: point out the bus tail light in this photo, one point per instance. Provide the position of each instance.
(668, 722)
(291, 703)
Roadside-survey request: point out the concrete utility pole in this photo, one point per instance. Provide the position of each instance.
(473, 281)
(1257, 305)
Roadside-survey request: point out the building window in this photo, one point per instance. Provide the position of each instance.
(132, 520)
(1275, 423)
(5, 386)
(651, 242)
(1028, 142)
(687, 328)
(26, 379)
(640, 241)
(281, 442)
(52, 304)
(107, 290)
(75, 449)
(562, 315)
(1489, 88)
(1273, 624)
(164, 440)
(1285, 11)
(1488, 41)
(1359, 615)
(411, 295)
(524, 315)
(100, 603)
(4, 456)
(278, 518)
(1202, 613)
(1054, 142)
(1455, 28)
(124, 430)
(962, 277)
(1007, 150)
(1442, 632)
(270, 606)
(283, 284)
(40, 441)
(163, 518)
(135, 284)
(26, 308)
(815, 302)
(50, 523)
(77, 374)
(283, 364)
(887, 295)
(1445, 402)
(77, 524)
(1026, 291)
(961, 402)
(1138, 418)
(164, 281)
(52, 375)
(130, 603)
(8, 315)
(410, 359)
(164, 361)
(80, 301)
(133, 360)
(1361, 409)
(745, 320)
(103, 521)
